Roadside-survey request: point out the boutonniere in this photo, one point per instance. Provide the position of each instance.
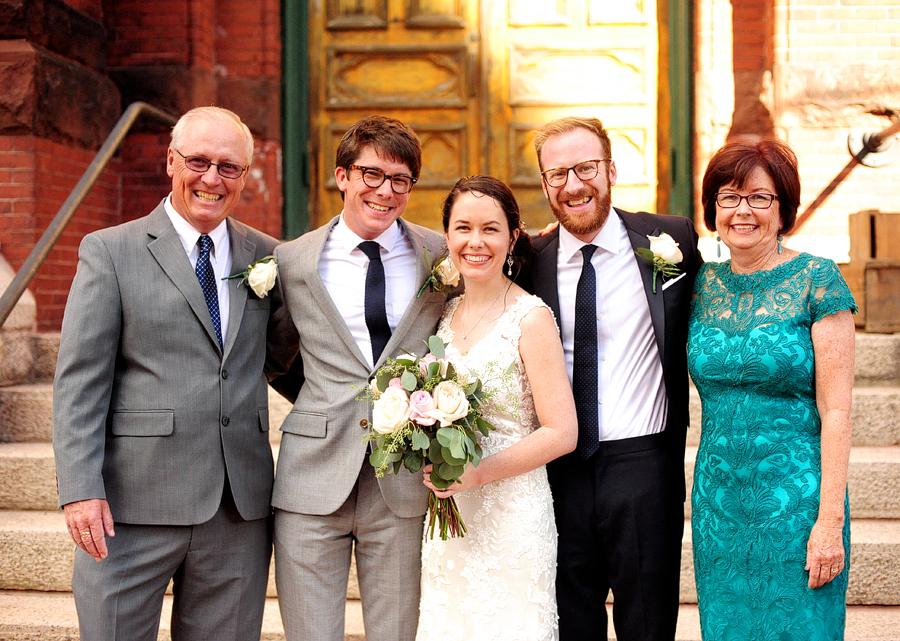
(442, 274)
(259, 276)
(663, 255)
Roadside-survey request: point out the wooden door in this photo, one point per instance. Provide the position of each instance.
(474, 78)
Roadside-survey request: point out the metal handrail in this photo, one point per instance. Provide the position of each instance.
(39, 254)
(872, 144)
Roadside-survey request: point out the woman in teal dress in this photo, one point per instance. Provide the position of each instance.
(771, 349)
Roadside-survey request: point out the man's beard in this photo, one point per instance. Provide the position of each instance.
(583, 224)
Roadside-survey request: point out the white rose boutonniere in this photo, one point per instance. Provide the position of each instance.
(443, 274)
(664, 255)
(259, 276)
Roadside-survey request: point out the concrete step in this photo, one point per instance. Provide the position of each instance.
(873, 482)
(874, 559)
(26, 413)
(37, 616)
(37, 554)
(33, 616)
(874, 413)
(27, 477)
(27, 357)
(877, 359)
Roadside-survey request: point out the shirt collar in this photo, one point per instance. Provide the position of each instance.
(349, 240)
(189, 236)
(608, 238)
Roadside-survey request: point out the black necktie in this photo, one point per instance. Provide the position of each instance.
(207, 279)
(584, 365)
(376, 316)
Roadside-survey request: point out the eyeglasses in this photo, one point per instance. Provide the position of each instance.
(400, 183)
(201, 165)
(584, 170)
(730, 200)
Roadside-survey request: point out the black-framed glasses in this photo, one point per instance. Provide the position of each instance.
(585, 170)
(201, 165)
(730, 200)
(400, 183)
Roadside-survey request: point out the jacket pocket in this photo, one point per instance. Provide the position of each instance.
(263, 419)
(305, 424)
(144, 423)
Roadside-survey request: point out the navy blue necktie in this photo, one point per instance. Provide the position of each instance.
(207, 279)
(584, 365)
(376, 314)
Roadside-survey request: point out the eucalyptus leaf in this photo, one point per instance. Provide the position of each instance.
(447, 435)
(448, 456)
(409, 381)
(383, 379)
(420, 440)
(440, 483)
(436, 346)
(448, 471)
(434, 452)
(413, 461)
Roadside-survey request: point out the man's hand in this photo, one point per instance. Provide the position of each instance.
(89, 523)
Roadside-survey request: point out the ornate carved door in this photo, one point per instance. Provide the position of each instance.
(473, 79)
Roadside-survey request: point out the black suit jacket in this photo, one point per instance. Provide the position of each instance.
(669, 308)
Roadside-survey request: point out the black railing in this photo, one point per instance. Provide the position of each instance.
(65, 214)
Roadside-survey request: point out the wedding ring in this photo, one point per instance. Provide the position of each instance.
(85, 536)
(835, 570)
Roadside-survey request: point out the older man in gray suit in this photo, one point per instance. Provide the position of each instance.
(160, 411)
(349, 295)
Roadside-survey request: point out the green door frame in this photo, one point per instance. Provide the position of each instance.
(295, 118)
(681, 121)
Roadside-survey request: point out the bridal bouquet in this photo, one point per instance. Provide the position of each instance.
(428, 409)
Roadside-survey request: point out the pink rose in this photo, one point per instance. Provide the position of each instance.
(395, 382)
(419, 403)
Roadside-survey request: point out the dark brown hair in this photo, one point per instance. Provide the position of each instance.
(390, 138)
(734, 163)
(497, 190)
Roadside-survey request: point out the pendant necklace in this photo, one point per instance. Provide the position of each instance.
(465, 334)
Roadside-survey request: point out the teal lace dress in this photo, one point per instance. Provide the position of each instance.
(756, 479)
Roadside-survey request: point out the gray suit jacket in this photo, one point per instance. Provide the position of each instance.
(322, 448)
(148, 412)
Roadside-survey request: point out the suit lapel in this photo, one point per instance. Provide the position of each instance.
(166, 248)
(319, 293)
(242, 252)
(655, 301)
(545, 281)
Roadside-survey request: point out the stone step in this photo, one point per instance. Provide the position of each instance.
(38, 616)
(873, 481)
(874, 559)
(26, 413)
(36, 554)
(874, 414)
(33, 616)
(877, 359)
(27, 477)
(27, 357)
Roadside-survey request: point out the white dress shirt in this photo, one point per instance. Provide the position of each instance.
(219, 256)
(343, 267)
(631, 390)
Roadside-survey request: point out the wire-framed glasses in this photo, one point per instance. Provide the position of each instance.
(585, 170)
(400, 183)
(730, 200)
(201, 165)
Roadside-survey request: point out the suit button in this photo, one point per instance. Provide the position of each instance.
(225, 421)
(364, 423)
(224, 373)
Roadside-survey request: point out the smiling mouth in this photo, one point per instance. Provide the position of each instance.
(379, 208)
(580, 201)
(210, 198)
(476, 259)
(744, 228)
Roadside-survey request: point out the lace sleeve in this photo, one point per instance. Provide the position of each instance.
(830, 293)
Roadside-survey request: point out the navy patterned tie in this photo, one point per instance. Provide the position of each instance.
(584, 365)
(376, 314)
(207, 279)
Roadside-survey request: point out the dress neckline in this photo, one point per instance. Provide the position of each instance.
(452, 334)
(763, 277)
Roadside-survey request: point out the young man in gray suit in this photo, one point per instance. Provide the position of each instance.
(348, 291)
(160, 411)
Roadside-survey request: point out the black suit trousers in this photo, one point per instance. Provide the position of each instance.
(620, 521)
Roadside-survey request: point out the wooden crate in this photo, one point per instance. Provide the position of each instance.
(873, 274)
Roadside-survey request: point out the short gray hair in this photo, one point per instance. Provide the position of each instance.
(220, 113)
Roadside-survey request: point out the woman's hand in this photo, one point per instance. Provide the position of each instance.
(466, 482)
(824, 553)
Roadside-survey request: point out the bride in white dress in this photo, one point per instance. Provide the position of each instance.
(499, 581)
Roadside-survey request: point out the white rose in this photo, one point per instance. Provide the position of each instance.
(665, 247)
(373, 385)
(450, 403)
(447, 273)
(391, 411)
(262, 277)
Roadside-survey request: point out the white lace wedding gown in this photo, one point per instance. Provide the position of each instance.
(499, 581)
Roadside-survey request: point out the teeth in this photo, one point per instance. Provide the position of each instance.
(477, 259)
(378, 207)
(575, 203)
(744, 227)
(210, 198)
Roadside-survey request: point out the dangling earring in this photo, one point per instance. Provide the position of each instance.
(509, 264)
(780, 238)
(718, 247)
